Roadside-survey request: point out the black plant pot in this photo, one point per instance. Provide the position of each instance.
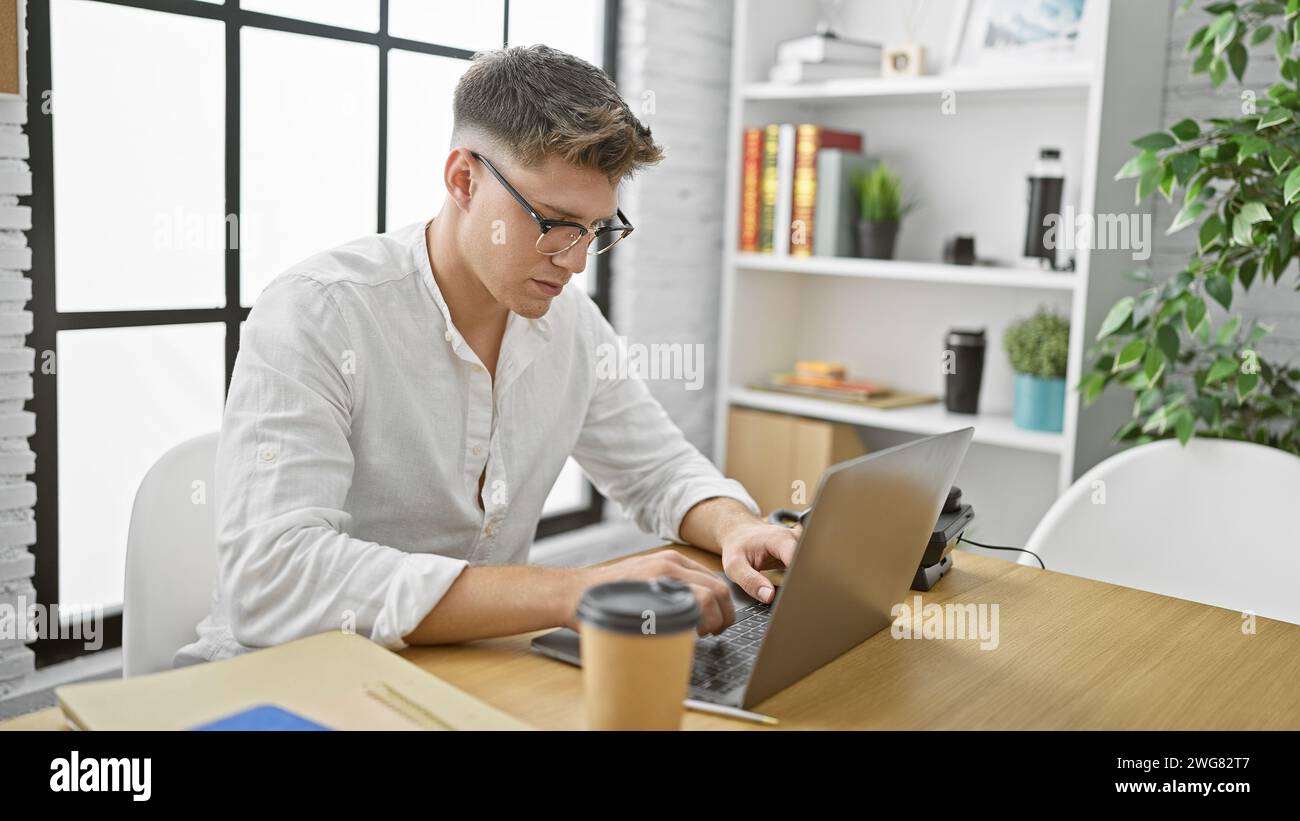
(876, 239)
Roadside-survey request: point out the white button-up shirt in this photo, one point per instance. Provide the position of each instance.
(357, 426)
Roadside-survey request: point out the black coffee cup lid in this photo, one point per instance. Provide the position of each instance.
(662, 605)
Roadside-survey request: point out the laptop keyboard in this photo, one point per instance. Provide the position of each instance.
(724, 662)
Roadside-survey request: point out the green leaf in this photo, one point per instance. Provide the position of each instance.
(1291, 189)
(1118, 315)
(1252, 146)
(1194, 314)
(1237, 60)
(1186, 129)
(1211, 231)
(1167, 341)
(1137, 166)
(1278, 158)
(1258, 332)
(1153, 364)
(1184, 424)
(1227, 330)
(1224, 29)
(1184, 166)
(1221, 368)
(1220, 287)
(1148, 182)
(1282, 44)
(1273, 117)
(1295, 223)
(1130, 355)
(1155, 141)
(1261, 34)
(1198, 36)
(1091, 387)
(1255, 211)
(1185, 217)
(1218, 72)
(1246, 382)
(1144, 305)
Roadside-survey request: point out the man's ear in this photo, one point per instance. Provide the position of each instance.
(458, 175)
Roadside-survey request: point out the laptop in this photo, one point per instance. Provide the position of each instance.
(856, 558)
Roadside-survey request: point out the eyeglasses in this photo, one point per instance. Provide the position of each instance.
(559, 236)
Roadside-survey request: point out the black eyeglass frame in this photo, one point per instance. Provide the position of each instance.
(545, 225)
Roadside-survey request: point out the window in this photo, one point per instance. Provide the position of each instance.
(176, 172)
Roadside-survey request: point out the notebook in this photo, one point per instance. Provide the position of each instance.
(337, 680)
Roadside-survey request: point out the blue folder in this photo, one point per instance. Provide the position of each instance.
(262, 717)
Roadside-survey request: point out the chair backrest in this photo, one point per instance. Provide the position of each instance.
(171, 556)
(1209, 522)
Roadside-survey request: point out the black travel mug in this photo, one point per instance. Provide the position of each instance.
(964, 370)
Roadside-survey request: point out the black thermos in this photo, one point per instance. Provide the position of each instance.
(1046, 184)
(965, 370)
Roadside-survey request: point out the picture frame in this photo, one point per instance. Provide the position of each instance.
(1002, 35)
(13, 50)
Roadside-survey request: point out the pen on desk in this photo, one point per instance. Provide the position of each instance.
(730, 712)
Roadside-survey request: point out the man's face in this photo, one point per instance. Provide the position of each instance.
(500, 237)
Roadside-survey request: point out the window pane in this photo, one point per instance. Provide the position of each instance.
(420, 88)
(308, 150)
(166, 385)
(575, 26)
(139, 154)
(571, 491)
(362, 15)
(454, 23)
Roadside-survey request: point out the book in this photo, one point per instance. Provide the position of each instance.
(810, 140)
(767, 201)
(836, 210)
(750, 185)
(820, 48)
(791, 73)
(326, 679)
(818, 385)
(784, 205)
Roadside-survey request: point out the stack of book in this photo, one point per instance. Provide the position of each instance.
(796, 193)
(820, 57)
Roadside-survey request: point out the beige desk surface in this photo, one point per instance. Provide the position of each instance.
(1073, 654)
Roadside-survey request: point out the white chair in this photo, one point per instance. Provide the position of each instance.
(171, 557)
(1211, 523)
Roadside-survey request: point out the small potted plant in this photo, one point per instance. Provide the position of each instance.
(1038, 348)
(879, 194)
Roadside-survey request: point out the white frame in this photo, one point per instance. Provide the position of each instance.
(958, 36)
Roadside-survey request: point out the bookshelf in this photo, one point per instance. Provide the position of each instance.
(887, 318)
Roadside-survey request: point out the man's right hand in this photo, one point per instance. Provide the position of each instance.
(711, 591)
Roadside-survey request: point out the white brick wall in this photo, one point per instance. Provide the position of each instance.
(17, 495)
(674, 70)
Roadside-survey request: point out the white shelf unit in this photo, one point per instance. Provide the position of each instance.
(887, 318)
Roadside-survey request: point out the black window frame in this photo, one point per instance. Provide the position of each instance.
(48, 320)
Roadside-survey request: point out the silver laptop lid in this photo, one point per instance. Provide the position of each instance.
(872, 518)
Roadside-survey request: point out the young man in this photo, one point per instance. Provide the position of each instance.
(402, 404)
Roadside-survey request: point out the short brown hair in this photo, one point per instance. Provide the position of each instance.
(536, 101)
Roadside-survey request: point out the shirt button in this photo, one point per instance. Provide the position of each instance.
(477, 450)
(447, 336)
(268, 455)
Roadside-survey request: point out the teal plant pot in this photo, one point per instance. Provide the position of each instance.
(1039, 403)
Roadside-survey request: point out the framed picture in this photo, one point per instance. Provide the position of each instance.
(13, 49)
(1004, 34)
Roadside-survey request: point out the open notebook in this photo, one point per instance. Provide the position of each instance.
(339, 680)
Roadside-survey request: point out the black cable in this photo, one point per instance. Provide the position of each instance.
(963, 538)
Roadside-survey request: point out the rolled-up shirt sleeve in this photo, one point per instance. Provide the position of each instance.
(636, 455)
(287, 564)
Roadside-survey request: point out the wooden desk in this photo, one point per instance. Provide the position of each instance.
(1073, 654)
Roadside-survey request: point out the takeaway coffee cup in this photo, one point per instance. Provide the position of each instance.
(638, 642)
